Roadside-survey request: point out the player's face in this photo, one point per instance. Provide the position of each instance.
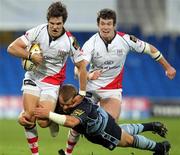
(65, 105)
(106, 29)
(55, 26)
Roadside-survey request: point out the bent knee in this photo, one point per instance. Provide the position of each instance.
(43, 123)
(126, 139)
(26, 120)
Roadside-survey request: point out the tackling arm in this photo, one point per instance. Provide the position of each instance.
(64, 120)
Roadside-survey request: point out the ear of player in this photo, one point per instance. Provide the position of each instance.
(27, 64)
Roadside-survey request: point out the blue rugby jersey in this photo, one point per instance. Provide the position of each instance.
(93, 119)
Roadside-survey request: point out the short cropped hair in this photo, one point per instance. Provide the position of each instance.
(106, 14)
(67, 91)
(57, 9)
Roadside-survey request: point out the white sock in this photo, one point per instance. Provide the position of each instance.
(32, 138)
(73, 137)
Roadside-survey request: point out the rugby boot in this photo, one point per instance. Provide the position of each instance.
(164, 148)
(159, 128)
(61, 152)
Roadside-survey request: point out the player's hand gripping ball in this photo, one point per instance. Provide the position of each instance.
(27, 64)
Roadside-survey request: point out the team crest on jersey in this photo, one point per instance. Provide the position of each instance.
(133, 38)
(119, 52)
(75, 44)
(77, 112)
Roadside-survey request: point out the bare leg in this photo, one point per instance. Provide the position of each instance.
(112, 106)
(30, 102)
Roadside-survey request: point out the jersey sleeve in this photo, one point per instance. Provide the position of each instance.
(81, 112)
(134, 43)
(30, 36)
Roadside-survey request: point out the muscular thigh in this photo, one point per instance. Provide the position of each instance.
(111, 102)
(31, 95)
(29, 103)
(48, 105)
(112, 106)
(48, 99)
(36, 92)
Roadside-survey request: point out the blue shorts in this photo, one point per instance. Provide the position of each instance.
(110, 137)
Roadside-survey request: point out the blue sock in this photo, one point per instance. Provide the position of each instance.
(143, 143)
(132, 129)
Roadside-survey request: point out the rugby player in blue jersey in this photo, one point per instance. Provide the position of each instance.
(99, 127)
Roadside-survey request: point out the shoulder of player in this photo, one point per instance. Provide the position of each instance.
(37, 29)
(72, 39)
(84, 103)
(92, 38)
(40, 27)
(129, 38)
(34, 32)
(91, 41)
(68, 33)
(120, 33)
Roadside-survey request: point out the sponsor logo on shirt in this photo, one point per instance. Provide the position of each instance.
(108, 62)
(77, 112)
(119, 52)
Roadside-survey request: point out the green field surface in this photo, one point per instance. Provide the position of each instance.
(13, 142)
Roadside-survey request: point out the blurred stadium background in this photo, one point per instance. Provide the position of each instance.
(147, 92)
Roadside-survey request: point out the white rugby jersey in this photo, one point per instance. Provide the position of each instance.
(110, 58)
(55, 53)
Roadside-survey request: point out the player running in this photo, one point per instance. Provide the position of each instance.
(41, 86)
(106, 53)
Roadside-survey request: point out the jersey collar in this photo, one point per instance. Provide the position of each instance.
(53, 39)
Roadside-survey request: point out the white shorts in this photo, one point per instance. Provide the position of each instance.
(110, 93)
(45, 91)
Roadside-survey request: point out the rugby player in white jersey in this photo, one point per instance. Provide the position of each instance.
(106, 53)
(41, 86)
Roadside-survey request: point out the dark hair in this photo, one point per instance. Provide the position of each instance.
(107, 14)
(67, 91)
(57, 9)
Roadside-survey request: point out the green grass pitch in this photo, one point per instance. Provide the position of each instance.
(13, 142)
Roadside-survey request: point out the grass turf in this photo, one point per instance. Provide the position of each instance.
(13, 142)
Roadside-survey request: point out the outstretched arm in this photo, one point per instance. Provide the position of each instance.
(64, 120)
(155, 54)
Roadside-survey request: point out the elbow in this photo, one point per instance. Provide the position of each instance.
(81, 66)
(71, 123)
(10, 49)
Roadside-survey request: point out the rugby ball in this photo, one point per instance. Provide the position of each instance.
(28, 65)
